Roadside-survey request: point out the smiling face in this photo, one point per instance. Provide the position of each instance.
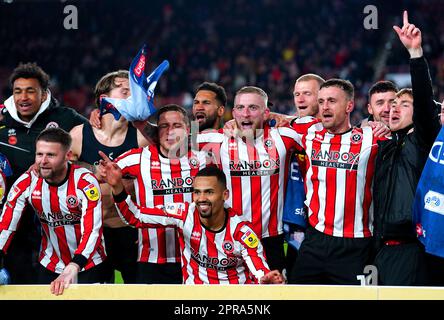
(51, 160)
(209, 197)
(380, 104)
(28, 97)
(250, 111)
(335, 108)
(401, 112)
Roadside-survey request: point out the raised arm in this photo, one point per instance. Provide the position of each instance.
(425, 110)
(139, 217)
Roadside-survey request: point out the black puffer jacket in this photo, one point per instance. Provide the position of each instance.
(18, 140)
(400, 161)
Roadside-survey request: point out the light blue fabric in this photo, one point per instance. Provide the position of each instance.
(140, 105)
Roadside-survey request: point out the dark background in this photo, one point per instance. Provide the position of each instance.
(267, 43)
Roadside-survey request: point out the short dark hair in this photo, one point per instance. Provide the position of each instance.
(30, 70)
(57, 135)
(221, 95)
(382, 86)
(344, 85)
(212, 171)
(172, 107)
(106, 83)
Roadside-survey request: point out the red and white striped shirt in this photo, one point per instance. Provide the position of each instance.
(232, 255)
(70, 215)
(256, 172)
(160, 180)
(338, 182)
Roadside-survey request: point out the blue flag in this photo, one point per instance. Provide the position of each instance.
(140, 105)
(428, 207)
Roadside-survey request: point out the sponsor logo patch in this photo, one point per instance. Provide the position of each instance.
(13, 193)
(434, 201)
(250, 239)
(91, 192)
(175, 209)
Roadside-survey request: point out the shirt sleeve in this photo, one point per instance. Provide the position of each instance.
(425, 111)
(252, 251)
(91, 223)
(13, 209)
(170, 215)
(129, 162)
(75, 118)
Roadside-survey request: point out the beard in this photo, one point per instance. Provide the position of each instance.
(50, 173)
(208, 123)
(206, 213)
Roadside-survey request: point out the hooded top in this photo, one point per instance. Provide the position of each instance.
(17, 137)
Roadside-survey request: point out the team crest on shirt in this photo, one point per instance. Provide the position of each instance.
(52, 125)
(268, 143)
(250, 239)
(155, 164)
(356, 137)
(232, 146)
(91, 192)
(194, 163)
(228, 246)
(13, 193)
(72, 201)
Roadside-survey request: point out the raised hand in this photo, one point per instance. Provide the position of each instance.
(95, 119)
(111, 173)
(410, 37)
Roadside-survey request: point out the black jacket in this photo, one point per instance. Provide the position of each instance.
(14, 135)
(400, 161)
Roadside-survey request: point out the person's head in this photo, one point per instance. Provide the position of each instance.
(29, 87)
(209, 105)
(401, 111)
(305, 94)
(210, 192)
(113, 85)
(173, 127)
(336, 102)
(52, 154)
(380, 98)
(250, 110)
